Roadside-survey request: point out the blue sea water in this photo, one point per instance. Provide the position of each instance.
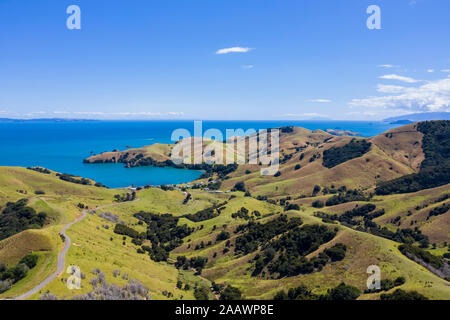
(62, 145)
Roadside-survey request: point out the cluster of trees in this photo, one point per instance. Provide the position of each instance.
(439, 210)
(129, 196)
(337, 155)
(339, 293)
(359, 211)
(39, 169)
(427, 178)
(295, 245)
(220, 169)
(71, 178)
(156, 252)
(388, 284)
(411, 251)
(141, 161)
(368, 213)
(286, 158)
(256, 234)
(287, 129)
(435, 168)
(164, 233)
(9, 276)
(127, 231)
(346, 196)
(208, 213)
(17, 217)
(242, 213)
(197, 263)
(400, 294)
(400, 235)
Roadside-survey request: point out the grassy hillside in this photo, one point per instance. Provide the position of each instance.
(215, 220)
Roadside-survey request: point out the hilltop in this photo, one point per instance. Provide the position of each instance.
(393, 154)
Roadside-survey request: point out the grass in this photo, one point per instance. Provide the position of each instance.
(95, 246)
(363, 250)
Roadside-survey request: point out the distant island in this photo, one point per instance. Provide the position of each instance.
(46, 120)
(415, 117)
(337, 132)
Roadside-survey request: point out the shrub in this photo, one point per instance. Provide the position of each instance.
(125, 230)
(344, 292)
(400, 294)
(30, 260)
(337, 252)
(231, 293)
(292, 206)
(201, 293)
(239, 186)
(318, 204)
(223, 235)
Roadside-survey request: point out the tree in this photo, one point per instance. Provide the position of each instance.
(239, 186)
(201, 293)
(344, 292)
(223, 235)
(231, 293)
(318, 204)
(337, 252)
(400, 294)
(30, 260)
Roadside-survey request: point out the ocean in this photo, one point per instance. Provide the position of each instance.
(62, 145)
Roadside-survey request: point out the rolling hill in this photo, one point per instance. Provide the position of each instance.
(318, 222)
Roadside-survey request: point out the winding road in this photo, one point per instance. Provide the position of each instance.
(61, 260)
(62, 254)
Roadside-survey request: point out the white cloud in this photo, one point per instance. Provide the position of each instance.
(430, 70)
(446, 70)
(432, 96)
(387, 66)
(320, 100)
(399, 78)
(390, 88)
(248, 66)
(233, 50)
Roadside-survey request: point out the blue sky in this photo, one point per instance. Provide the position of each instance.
(148, 59)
